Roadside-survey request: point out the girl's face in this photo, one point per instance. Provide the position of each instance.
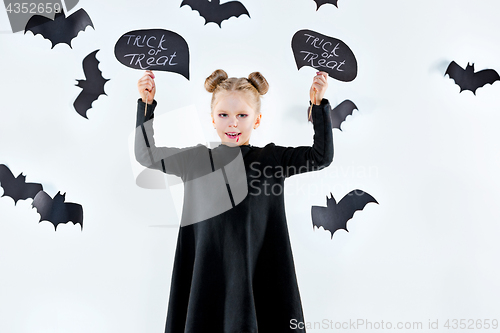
(234, 118)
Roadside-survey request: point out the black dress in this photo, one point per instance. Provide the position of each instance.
(234, 271)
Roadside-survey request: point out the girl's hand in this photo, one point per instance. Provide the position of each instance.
(147, 84)
(318, 87)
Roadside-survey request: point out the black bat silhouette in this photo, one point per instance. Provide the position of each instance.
(16, 187)
(340, 113)
(335, 216)
(213, 11)
(92, 87)
(320, 3)
(62, 29)
(466, 79)
(57, 211)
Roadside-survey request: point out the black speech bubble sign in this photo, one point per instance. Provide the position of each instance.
(324, 53)
(154, 49)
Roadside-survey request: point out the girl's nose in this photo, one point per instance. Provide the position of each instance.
(233, 122)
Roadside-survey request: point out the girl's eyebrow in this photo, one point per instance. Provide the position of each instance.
(236, 112)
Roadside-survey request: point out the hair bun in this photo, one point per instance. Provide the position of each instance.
(215, 79)
(259, 82)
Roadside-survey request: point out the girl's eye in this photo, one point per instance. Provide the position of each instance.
(222, 115)
(243, 115)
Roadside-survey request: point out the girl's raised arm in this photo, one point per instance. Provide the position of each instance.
(301, 159)
(169, 160)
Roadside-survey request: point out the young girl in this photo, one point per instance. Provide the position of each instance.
(233, 268)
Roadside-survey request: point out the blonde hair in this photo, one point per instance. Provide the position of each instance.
(255, 86)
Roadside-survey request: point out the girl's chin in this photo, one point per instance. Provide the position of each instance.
(232, 142)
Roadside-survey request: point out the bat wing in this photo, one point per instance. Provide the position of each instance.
(6, 181)
(17, 188)
(76, 22)
(38, 24)
(341, 111)
(481, 78)
(201, 6)
(458, 75)
(320, 3)
(352, 202)
(93, 74)
(92, 87)
(230, 9)
(83, 103)
(74, 213)
(43, 204)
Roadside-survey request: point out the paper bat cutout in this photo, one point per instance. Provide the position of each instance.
(16, 187)
(57, 211)
(62, 29)
(320, 3)
(92, 87)
(466, 79)
(213, 11)
(340, 113)
(53, 210)
(335, 216)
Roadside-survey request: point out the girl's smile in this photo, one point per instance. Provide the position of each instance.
(233, 135)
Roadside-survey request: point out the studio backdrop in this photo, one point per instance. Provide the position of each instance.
(88, 235)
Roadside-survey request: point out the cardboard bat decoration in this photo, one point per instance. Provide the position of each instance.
(93, 86)
(56, 211)
(340, 113)
(154, 49)
(16, 187)
(62, 29)
(320, 3)
(335, 216)
(467, 79)
(324, 53)
(213, 11)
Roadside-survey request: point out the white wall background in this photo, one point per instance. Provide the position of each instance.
(427, 153)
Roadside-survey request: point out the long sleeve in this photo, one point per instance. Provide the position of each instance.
(295, 160)
(166, 159)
